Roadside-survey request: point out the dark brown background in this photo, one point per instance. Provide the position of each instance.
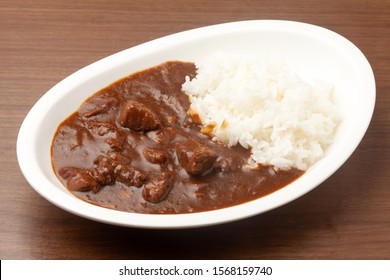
(42, 42)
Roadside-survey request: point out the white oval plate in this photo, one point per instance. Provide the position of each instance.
(313, 52)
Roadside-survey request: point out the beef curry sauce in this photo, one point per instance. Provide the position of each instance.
(133, 147)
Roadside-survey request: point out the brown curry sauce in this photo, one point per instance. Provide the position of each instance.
(133, 147)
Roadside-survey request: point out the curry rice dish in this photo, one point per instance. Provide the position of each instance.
(133, 147)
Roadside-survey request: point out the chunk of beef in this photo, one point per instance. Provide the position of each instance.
(197, 159)
(119, 158)
(128, 175)
(116, 167)
(154, 155)
(157, 189)
(79, 179)
(107, 130)
(137, 116)
(103, 172)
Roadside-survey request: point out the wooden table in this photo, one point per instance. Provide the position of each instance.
(43, 41)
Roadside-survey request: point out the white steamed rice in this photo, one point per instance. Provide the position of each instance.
(287, 122)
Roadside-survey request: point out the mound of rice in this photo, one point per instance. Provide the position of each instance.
(287, 122)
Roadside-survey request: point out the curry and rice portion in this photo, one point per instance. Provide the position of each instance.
(183, 138)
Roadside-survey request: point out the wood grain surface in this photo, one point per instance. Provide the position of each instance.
(43, 41)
